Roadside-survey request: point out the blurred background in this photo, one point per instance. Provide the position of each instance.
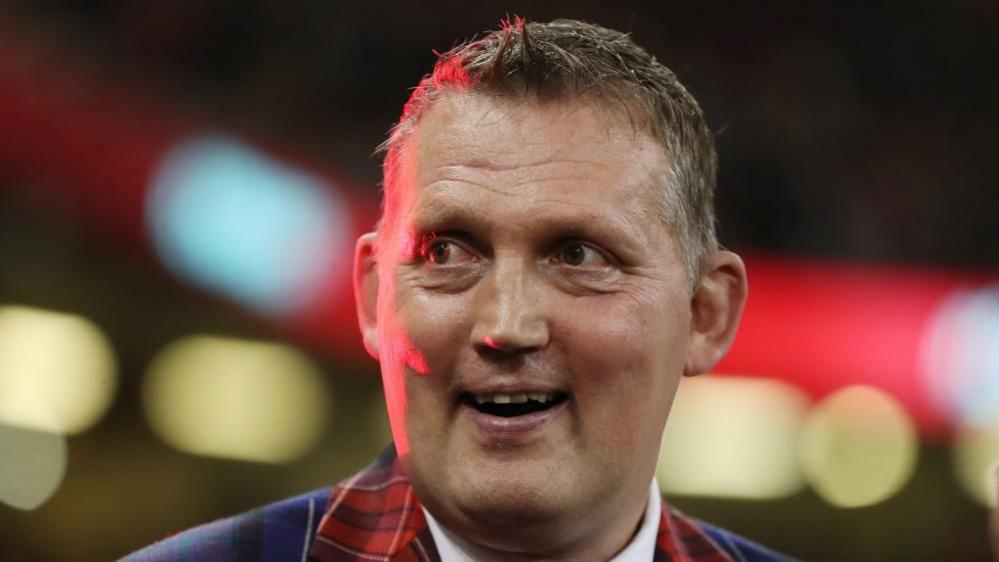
(181, 183)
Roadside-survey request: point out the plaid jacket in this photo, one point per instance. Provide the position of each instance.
(374, 516)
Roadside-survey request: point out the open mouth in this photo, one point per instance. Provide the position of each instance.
(511, 405)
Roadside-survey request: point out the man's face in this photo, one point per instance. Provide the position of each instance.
(525, 262)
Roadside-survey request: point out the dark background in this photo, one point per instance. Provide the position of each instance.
(861, 132)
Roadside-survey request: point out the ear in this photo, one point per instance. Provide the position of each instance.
(366, 290)
(715, 306)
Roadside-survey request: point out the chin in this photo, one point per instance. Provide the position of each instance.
(510, 506)
(513, 497)
(515, 522)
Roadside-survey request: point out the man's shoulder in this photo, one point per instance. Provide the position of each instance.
(278, 531)
(738, 547)
(704, 541)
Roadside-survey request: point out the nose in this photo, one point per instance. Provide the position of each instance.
(511, 316)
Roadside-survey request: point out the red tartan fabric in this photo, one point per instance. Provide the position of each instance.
(681, 539)
(374, 516)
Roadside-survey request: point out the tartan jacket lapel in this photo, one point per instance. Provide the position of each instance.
(681, 539)
(374, 516)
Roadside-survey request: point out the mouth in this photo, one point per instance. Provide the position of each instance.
(513, 404)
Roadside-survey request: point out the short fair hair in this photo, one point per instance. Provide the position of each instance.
(569, 59)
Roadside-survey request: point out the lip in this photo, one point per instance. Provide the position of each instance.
(516, 430)
(510, 389)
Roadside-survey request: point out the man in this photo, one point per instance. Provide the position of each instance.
(544, 273)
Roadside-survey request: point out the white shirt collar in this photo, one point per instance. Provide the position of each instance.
(642, 547)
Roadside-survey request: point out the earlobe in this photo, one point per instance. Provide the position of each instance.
(715, 306)
(366, 290)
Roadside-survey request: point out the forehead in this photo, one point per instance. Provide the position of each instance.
(470, 146)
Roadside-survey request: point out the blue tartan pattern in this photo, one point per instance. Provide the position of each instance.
(278, 532)
(740, 548)
(288, 530)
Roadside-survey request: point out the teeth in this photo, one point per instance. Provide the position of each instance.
(514, 398)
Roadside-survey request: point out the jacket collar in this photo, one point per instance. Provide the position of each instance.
(374, 516)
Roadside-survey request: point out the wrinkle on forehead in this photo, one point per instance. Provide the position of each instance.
(505, 146)
(493, 166)
(446, 127)
(508, 187)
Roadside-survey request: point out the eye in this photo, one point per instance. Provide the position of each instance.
(577, 254)
(441, 251)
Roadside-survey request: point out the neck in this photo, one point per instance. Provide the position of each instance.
(611, 533)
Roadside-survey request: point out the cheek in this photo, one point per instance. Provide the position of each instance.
(416, 326)
(626, 367)
(434, 327)
(640, 336)
(419, 339)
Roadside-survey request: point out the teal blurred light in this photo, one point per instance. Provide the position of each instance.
(960, 356)
(238, 223)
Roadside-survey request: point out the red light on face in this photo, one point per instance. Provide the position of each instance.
(415, 361)
(396, 405)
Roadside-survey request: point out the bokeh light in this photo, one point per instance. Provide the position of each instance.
(976, 456)
(236, 399)
(959, 356)
(57, 371)
(241, 224)
(32, 465)
(858, 447)
(732, 437)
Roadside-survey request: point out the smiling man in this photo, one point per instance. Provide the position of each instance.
(544, 274)
(532, 318)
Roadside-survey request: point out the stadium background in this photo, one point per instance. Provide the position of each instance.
(856, 144)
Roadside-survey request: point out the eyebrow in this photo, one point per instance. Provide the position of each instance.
(442, 215)
(438, 214)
